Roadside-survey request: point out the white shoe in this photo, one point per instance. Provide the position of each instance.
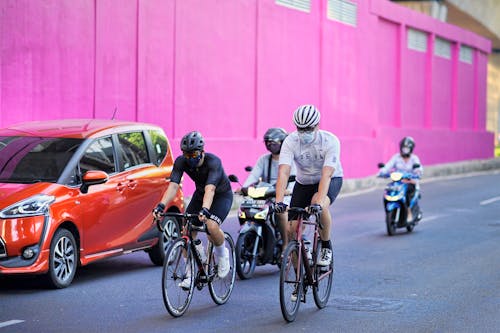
(326, 257)
(223, 264)
(186, 282)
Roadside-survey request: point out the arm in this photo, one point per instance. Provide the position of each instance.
(167, 198)
(208, 197)
(324, 184)
(283, 174)
(257, 172)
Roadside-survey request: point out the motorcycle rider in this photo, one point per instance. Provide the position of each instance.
(404, 162)
(319, 172)
(266, 169)
(212, 198)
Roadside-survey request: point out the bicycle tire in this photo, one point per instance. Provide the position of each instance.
(175, 298)
(290, 282)
(323, 283)
(221, 289)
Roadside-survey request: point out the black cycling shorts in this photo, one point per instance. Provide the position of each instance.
(221, 205)
(302, 194)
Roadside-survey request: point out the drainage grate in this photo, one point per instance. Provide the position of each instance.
(368, 304)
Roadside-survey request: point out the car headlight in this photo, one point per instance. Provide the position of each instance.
(33, 206)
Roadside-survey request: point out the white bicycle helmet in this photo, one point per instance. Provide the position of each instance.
(306, 116)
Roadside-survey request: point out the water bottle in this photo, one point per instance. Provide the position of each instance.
(201, 251)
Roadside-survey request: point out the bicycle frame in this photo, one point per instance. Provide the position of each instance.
(309, 269)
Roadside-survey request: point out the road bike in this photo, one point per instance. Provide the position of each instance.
(298, 273)
(182, 255)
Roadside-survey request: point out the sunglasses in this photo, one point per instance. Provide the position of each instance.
(305, 129)
(191, 154)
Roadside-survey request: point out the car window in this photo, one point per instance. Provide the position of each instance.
(132, 150)
(99, 156)
(35, 159)
(160, 145)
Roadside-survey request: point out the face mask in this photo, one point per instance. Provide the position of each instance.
(306, 137)
(193, 162)
(273, 147)
(405, 151)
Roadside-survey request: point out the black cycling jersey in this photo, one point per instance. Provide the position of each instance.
(210, 172)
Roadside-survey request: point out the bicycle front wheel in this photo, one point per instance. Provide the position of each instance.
(177, 293)
(323, 278)
(291, 280)
(221, 288)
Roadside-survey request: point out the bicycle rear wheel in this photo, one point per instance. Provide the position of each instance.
(323, 277)
(220, 289)
(175, 269)
(291, 282)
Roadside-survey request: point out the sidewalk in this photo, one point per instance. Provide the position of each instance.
(432, 172)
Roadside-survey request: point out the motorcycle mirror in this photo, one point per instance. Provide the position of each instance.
(291, 178)
(416, 165)
(381, 165)
(248, 168)
(233, 178)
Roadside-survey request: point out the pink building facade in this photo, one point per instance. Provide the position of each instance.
(233, 68)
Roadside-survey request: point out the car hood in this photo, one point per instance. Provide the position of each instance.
(10, 193)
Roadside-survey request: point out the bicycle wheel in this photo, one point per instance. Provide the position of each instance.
(220, 289)
(291, 282)
(175, 269)
(323, 277)
(245, 259)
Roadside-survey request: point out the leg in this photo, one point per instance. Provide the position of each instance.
(283, 227)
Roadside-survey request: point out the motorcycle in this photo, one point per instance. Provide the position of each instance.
(259, 240)
(395, 201)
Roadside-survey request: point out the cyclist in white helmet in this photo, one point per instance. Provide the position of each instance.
(316, 154)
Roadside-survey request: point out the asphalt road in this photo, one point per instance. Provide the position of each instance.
(442, 277)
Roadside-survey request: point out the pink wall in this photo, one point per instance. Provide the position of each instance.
(233, 68)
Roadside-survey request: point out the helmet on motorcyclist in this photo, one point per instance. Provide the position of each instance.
(406, 146)
(192, 145)
(273, 138)
(306, 117)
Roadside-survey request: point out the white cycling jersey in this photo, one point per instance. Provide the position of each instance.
(311, 158)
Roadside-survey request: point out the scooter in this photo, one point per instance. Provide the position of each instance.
(259, 240)
(395, 203)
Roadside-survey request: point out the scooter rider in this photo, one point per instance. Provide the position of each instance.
(266, 169)
(404, 161)
(212, 198)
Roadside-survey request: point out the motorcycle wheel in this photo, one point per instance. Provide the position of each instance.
(245, 258)
(390, 221)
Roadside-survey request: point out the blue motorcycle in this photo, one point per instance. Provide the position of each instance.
(399, 211)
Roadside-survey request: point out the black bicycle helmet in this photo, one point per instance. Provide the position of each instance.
(192, 141)
(406, 146)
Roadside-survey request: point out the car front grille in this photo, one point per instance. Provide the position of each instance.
(3, 250)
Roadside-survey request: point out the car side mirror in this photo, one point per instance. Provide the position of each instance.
(93, 177)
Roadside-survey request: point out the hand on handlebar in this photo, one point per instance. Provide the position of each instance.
(314, 209)
(280, 207)
(158, 210)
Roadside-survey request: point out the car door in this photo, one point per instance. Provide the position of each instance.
(104, 206)
(145, 185)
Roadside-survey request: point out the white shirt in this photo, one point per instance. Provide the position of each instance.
(311, 158)
(261, 170)
(398, 163)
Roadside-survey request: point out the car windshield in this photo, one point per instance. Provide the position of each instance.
(34, 159)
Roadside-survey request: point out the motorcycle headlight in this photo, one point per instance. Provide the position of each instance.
(33, 206)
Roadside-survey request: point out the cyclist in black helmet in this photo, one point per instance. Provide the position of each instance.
(212, 198)
(266, 169)
(404, 161)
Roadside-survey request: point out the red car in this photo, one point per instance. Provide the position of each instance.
(75, 191)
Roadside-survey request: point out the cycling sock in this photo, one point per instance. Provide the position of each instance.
(326, 244)
(219, 250)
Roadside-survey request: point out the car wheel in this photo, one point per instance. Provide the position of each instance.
(63, 259)
(171, 231)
